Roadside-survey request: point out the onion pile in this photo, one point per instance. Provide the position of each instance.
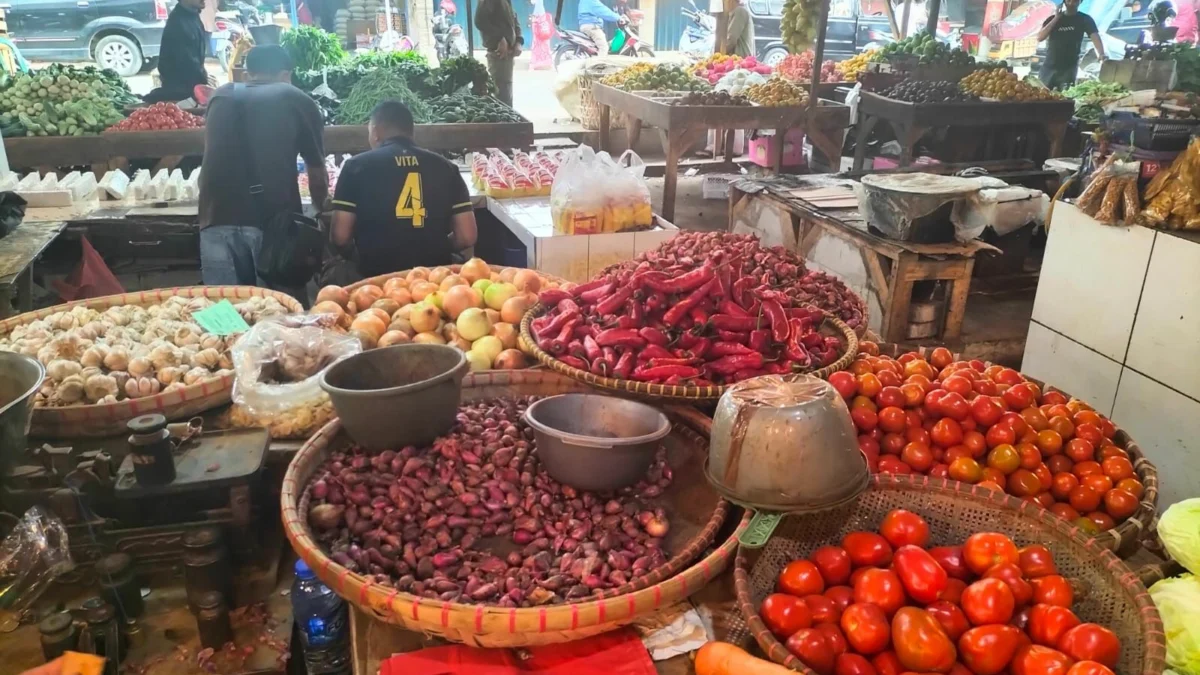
(473, 518)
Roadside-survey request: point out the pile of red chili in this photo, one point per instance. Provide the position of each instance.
(772, 266)
(682, 324)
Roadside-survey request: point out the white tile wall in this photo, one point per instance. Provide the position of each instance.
(1091, 279)
(1071, 367)
(1166, 425)
(1166, 336)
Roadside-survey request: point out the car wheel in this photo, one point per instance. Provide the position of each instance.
(774, 56)
(119, 53)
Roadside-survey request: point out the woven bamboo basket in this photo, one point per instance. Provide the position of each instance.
(1108, 592)
(691, 566)
(383, 278)
(1126, 538)
(90, 421)
(665, 392)
(589, 110)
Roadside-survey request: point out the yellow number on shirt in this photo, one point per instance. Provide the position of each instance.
(410, 205)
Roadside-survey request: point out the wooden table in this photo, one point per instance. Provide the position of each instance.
(911, 121)
(681, 126)
(18, 251)
(879, 269)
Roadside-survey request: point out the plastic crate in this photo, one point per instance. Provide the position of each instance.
(1158, 135)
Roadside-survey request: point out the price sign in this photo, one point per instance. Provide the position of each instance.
(221, 319)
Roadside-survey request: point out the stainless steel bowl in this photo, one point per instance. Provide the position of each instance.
(593, 442)
(20, 378)
(785, 443)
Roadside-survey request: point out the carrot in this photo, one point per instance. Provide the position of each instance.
(722, 658)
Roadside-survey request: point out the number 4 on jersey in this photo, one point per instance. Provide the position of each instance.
(410, 205)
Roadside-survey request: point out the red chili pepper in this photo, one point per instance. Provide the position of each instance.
(560, 320)
(552, 296)
(684, 283)
(585, 329)
(654, 363)
(567, 305)
(779, 321)
(644, 373)
(727, 365)
(741, 292)
(728, 349)
(574, 362)
(813, 340)
(733, 336)
(596, 294)
(680, 309)
(701, 348)
(591, 349)
(674, 381)
(626, 321)
(576, 348)
(698, 316)
(601, 367)
(585, 287)
(539, 324)
(610, 355)
(766, 292)
(687, 340)
(559, 344)
(654, 352)
(701, 382)
(809, 314)
(734, 323)
(624, 365)
(794, 350)
(760, 340)
(636, 313)
(545, 344)
(725, 280)
(614, 301)
(777, 368)
(731, 308)
(654, 336)
(624, 337)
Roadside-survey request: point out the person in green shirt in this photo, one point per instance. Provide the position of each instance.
(740, 41)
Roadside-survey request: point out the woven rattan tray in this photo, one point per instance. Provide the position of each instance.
(1108, 592)
(85, 421)
(696, 513)
(668, 392)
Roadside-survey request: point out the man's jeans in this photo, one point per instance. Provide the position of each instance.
(229, 257)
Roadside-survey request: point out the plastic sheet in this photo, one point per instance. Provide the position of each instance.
(277, 367)
(895, 203)
(31, 556)
(593, 194)
(1005, 210)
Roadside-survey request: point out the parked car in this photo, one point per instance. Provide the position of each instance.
(124, 35)
(854, 26)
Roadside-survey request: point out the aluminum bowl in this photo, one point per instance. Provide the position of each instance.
(785, 443)
(20, 378)
(593, 442)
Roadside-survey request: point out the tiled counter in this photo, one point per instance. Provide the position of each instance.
(1116, 322)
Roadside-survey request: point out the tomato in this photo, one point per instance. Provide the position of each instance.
(881, 587)
(904, 528)
(918, 456)
(986, 410)
(984, 549)
(861, 401)
(1084, 499)
(1003, 457)
(987, 650)
(833, 635)
(940, 357)
(976, 443)
(964, 469)
(1131, 485)
(822, 608)
(834, 564)
(784, 614)
(946, 432)
(1110, 451)
(1045, 499)
(892, 444)
(1024, 483)
(950, 558)
(914, 394)
(853, 664)
(1011, 575)
(890, 397)
(887, 663)
(1062, 484)
(892, 420)
(1089, 432)
(1039, 660)
(1100, 520)
(1060, 464)
(866, 628)
(1053, 589)
(1054, 398)
(988, 601)
(1048, 623)
(1019, 396)
(922, 576)
(810, 646)
(1117, 468)
(959, 385)
(1080, 450)
(1089, 668)
(1098, 482)
(953, 405)
(1091, 642)
(1063, 426)
(995, 477)
(867, 549)
(953, 591)
(1120, 504)
(952, 619)
(801, 578)
(1036, 561)
(1031, 457)
(889, 464)
(864, 418)
(920, 643)
(842, 596)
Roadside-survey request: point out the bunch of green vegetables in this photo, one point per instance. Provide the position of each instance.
(312, 48)
(470, 108)
(342, 78)
(1187, 66)
(1090, 97)
(461, 72)
(374, 59)
(62, 101)
(375, 87)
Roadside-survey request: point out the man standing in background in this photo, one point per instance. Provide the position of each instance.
(181, 60)
(740, 41)
(497, 24)
(592, 15)
(1064, 33)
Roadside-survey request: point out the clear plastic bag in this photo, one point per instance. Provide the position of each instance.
(34, 554)
(592, 193)
(277, 367)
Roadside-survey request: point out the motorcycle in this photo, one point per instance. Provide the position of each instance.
(449, 40)
(227, 29)
(699, 35)
(576, 45)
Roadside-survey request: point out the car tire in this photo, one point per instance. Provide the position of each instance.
(120, 53)
(774, 56)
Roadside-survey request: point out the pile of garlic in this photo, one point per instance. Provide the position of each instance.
(128, 351)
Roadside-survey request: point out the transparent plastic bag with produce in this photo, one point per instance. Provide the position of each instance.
(577, 195)
(31, 557)
(629, 196)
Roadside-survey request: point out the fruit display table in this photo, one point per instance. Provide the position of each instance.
(911, 121)
(680, 126)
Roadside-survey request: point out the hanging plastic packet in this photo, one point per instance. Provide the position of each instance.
(34, 554)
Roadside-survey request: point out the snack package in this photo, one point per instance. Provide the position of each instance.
(1109, 204)
(1133, 202)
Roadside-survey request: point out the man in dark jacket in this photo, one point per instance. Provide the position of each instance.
(501, 32)
(184, 46)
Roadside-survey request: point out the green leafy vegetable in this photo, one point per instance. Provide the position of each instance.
(312, 48)
(1178, 602)
(1179, 530)
(374, 88)
(464, 71)
(1090, 97)
(375, 59)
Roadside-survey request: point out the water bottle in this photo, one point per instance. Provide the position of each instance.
(324, 624)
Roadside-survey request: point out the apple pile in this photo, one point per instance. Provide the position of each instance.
(478, 310)
(886, 603)
(989, 425)
(714, 67)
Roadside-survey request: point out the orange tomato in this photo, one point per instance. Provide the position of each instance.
(1131, 485)
(1084, 499)
(869, 385)
(1064, 510)
(1004, 458)
(1035, 419)
(1098, 482)
(1117, 468)
(1031, 457)
(1063, 426)
(1087, 468)
(1062, 484)
(1120, 504)
(1101, 520)
(966, 470)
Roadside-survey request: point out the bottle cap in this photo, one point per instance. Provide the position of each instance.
(303, 571)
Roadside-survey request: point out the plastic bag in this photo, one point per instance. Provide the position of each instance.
(592, 193)
(277, 367)
(31, 556)
(1005, 210)
(1107, 213)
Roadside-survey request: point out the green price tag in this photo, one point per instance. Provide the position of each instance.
(221, 319)
(759, 530)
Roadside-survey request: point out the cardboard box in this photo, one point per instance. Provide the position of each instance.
(762, 148)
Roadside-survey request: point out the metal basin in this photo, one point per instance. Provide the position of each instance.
(593, 442)
(397, 396)
(785, 444)
(20, 377)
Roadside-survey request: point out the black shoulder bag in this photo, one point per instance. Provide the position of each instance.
(293, 244)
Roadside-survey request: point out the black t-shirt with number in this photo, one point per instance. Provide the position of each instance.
(1062, 46)
(403, 198)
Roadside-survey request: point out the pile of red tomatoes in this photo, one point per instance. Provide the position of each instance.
(988, 425)
(885, 604)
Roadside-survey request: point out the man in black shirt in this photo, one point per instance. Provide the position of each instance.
(1063, 33)
(403, 206)
(181, 60)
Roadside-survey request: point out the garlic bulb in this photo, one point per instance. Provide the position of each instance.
(117, 359)
(140, 387)
(225, 362)
(111, 398)
(87, 331)
(169, 374)
(63, 320)
(90, 371)
(185, 336)
(97, 387)
(60, 369)
(164, 356)
(206, 358)
(93, 357)
(70, 390)
(140, 366)
(210, 341)
(196, 375)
